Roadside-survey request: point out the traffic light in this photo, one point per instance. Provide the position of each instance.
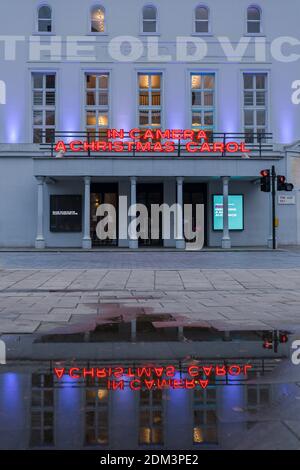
(265, 181)
(283, 337)
(280, 183)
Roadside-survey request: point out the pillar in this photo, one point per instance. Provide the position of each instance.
(226, 243)
(180, 242)
(133, 241)
(86, 241)
(40, 240)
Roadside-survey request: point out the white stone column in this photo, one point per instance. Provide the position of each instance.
(180, 242)
(226, 243)
(86, 241)
(133, 241)
(40, 240)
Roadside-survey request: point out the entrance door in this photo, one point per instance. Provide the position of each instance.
(196, 193)
(103, 193)
(149, 194)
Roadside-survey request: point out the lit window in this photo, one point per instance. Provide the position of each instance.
(43, 106)
(201, 19)
(205, 429)
(96, 413)
(203, 102)
(150, 109)
(44, 19)
(151, 422)
(253, 20)
(255, 106)
(97, 104)
(98, 20)
(149, 19)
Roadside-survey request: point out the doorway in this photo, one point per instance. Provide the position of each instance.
(196, 193)
(148, 194)
(103, 193)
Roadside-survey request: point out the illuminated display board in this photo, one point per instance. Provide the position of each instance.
(235, 212)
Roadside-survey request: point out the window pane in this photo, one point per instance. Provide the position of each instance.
(102, 120)
(50, 118)
(37, 118)
(156, 99)
(103, 82)
(208, 119)
(45, 12)
(37, 98)
(144, 99)
(144, 118)
(201, 13)
(196, 98)
(144, 81)
(50, 98)
(44, 26)
(248, 98)
(248, 81)
(155, 81)
(208, 99)
(103, 99)
(260, 98)
(253, 27)
(97, 25)
(91, 81)
(91, 98)
(37, 136)
(156, 118)
(209, 81)
(261, 118)
(249, 118)
(201, 26)
(149, 13)
(253, 13)
(196, 119)
(149, 26)
(91, 121)
(196, 81)
(260, 82)
(50, 81)
(37, 80)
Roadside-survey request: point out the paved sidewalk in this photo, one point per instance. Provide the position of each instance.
(39, 300)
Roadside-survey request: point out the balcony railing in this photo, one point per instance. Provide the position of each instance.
(258, 144)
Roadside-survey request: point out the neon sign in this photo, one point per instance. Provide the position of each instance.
(155, 377)
(152, 141)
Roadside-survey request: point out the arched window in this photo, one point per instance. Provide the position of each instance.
(98, 19)
(201, 19)
(253, 20)
(149, 19)
(44, 19)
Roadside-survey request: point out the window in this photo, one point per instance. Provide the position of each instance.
(97, 104)
(205, 429)
(44, 19)
(203, 102)
(44, 107)
(253, 20)
(96, 413)
(201, 19)
(150, 101)
(98, 20)
(42, 410)
(255, 106)
(149, 19)
(151, 423)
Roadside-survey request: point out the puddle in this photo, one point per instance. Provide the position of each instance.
(119, 386)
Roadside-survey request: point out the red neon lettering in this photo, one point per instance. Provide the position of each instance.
(159, 371)
(218, 147)
(59, 372)
(74, 144)
(234, 370)
(205, 147)
(115, 134)
(189, 147)
(149, 384)
(220, 370)
(244, 148)
(188, 134)
(193, 371)
(232, 147)
(203, 383)
(207, 370)
(134, 134)
(72, 373)
(101, 373)
(88, 372)
(201, 135)
(170, 371)
(60, 146)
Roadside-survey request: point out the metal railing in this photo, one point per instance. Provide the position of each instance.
(259, 144)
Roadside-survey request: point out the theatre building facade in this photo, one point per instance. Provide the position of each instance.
(123, 103)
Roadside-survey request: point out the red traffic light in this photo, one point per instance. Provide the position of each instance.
(265, 173)
(283, 338)
(268, 344)
(281, 179)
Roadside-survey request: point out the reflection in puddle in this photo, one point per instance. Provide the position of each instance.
(46, 401)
